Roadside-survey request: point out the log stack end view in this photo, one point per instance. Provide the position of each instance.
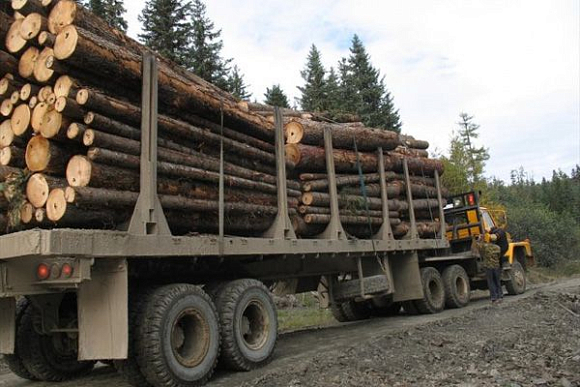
(70, 118)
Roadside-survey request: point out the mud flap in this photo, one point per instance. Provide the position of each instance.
(103, 312)
(406, 276)
(7, 325)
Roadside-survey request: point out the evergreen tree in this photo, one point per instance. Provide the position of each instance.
(236, 84)
(167, 28)
(206, 46)
(111, 11)
(364, 91)
(276, 97)
(465, 164)
(314, 92)
(332, 91)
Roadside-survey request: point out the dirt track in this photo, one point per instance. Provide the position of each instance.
(529, 340)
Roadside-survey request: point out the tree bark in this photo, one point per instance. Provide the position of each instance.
(9, 64)
(326, 211)
(410, 142)
(299, 131)
(46, 39)
(26, 7)
(313, 158)
(12, 156)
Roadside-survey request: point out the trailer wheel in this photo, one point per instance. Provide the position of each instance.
(51, 358)
(248, 324)
(457, 288)
(434, 292)
(337, 312)
(129, 368)
(410, 308)
(384, 307)
(355, 311)
(517, 279)
(14, 361)
(177, 338)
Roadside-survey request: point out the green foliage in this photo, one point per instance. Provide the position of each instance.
(205, 51)
(236, 84)
(465, 164)
(314, 92)
(275, 97)
(363, 90)
(167, 28)
(111, 11)
(333, 91)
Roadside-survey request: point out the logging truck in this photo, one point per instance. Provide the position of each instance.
(165, 309)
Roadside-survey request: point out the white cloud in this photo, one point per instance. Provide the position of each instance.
(514, 65)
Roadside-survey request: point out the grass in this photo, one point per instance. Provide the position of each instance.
(539, 274)
(299, 318)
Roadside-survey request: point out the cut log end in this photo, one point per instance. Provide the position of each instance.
(70, 194)
(44, 93)
(89, 118)
(294, 132)
(78, 171)
(6, 134)
(27, 61)
(75, 131)
(66, 42)
(56, 205)
(5, 156)
(26, 213)
(37, 190)
(38, 114)
(37, 154)
(89, 137)
(26, 92)
(14, 41)
(33, 102)
(82, 96)
(43, 71)
(63, 86)
(62, 15)
(307, 198)
(292, 154)
(6, 107)
(51, 124)
(15, 97)
(32, 25)
(39, 215)
(46, 39)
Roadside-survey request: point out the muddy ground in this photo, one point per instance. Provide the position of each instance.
(529, 340)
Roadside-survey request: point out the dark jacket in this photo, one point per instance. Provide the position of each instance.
(502, 240)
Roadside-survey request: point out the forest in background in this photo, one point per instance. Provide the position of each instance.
(547, 211)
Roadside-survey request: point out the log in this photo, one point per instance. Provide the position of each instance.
(313, 159)
(9, 64)
(46, 39)
(33, 102)
(58, 211)
(43, 155)
(66, 86)
(44, 93)
(8, 86)
(6, 107)
(13, 156)
(131, 114)
(6, 172)
(46, 68)
(348, 219)
(15, 97)
(28, 90)
(410, 142)
(299, 131)
(185, 93)
(106, 156)
(396, 189)
(401, 150)
(14, 42)
(27, 62)
(26, 212)
(69, 108)
(353, 202)
(6, 134)
(26, 7)
(326, 211)
(39, 186)
(53, 123)
(38, 113)
(75, 131)
(32, 25)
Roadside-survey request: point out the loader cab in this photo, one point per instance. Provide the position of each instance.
(466, 220)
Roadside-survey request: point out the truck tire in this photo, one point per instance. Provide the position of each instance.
(434, 292)
(248, 324)
(384, 307)
(337, 312)
(129, 368)
(355, 311)
(50, 358)
(517, 279)
(14, 362)
(457, 287)
(410, 308)
(177, 340)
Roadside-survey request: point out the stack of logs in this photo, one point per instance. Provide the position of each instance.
(70, 139)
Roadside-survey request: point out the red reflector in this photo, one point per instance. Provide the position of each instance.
(67, 270)
(43, 271)
(471, 199)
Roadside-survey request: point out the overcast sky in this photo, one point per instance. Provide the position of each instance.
(514, 65)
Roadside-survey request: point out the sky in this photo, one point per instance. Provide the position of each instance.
(514, 65)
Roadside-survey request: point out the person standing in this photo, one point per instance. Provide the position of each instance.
(490, 253)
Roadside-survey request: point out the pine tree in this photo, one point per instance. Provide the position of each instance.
(111, 11)
(276, 97)
(332, 91)
(364, 91)
(167, 29)
(314, 92)
(236, 84)
(206, 46)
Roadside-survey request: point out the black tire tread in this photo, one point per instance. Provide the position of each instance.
(148, 341)
(14, 362)
(423, 305)
(448, 277)
(226, 301)
(356, 311)
(410, 308)
(509, 285)
(337, 312)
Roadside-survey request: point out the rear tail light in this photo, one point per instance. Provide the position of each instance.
(43, 271)
(471, 199)
(67, 271)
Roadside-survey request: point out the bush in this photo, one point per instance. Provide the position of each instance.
(555, 238)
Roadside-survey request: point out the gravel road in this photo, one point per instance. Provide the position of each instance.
(529, 340)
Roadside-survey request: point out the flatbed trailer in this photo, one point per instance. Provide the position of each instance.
(165, 308)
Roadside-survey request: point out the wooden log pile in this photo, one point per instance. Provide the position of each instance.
(70, 134)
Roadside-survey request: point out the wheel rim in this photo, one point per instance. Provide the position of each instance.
(435, 292)
(254, 325)
(519, 279)
(461, 286)
(190, 338)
